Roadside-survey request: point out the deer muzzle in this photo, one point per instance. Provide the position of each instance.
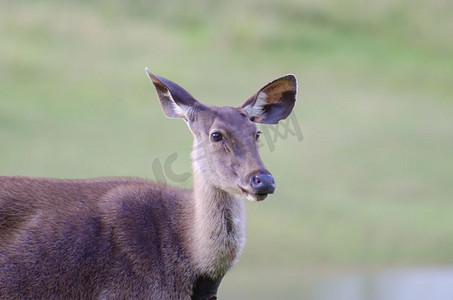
(261, 184)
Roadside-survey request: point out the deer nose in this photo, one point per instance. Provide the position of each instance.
(263, 183)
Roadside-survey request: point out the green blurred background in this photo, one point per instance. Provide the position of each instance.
(369, 187)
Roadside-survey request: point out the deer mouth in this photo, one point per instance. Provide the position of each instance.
(258, 197)
(253, 196)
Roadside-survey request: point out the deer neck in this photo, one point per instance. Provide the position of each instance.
(217, 231)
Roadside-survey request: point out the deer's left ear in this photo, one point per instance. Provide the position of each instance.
(274, 102)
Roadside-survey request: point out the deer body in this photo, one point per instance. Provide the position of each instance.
(130, 238)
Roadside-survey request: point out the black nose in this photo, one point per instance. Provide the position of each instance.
(263, 183)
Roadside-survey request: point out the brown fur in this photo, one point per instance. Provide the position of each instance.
(91, 237)
(131, 238)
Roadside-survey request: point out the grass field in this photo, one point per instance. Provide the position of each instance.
(369, 186)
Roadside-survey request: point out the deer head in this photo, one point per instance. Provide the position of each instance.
(225, 152)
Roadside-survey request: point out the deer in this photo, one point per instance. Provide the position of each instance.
(133, 238)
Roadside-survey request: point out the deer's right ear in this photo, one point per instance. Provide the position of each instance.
(176, 102)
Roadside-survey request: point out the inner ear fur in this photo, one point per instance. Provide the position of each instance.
(273, 102)
(176, 102)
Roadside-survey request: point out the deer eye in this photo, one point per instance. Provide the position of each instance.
(216, 136)
(258, 134)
